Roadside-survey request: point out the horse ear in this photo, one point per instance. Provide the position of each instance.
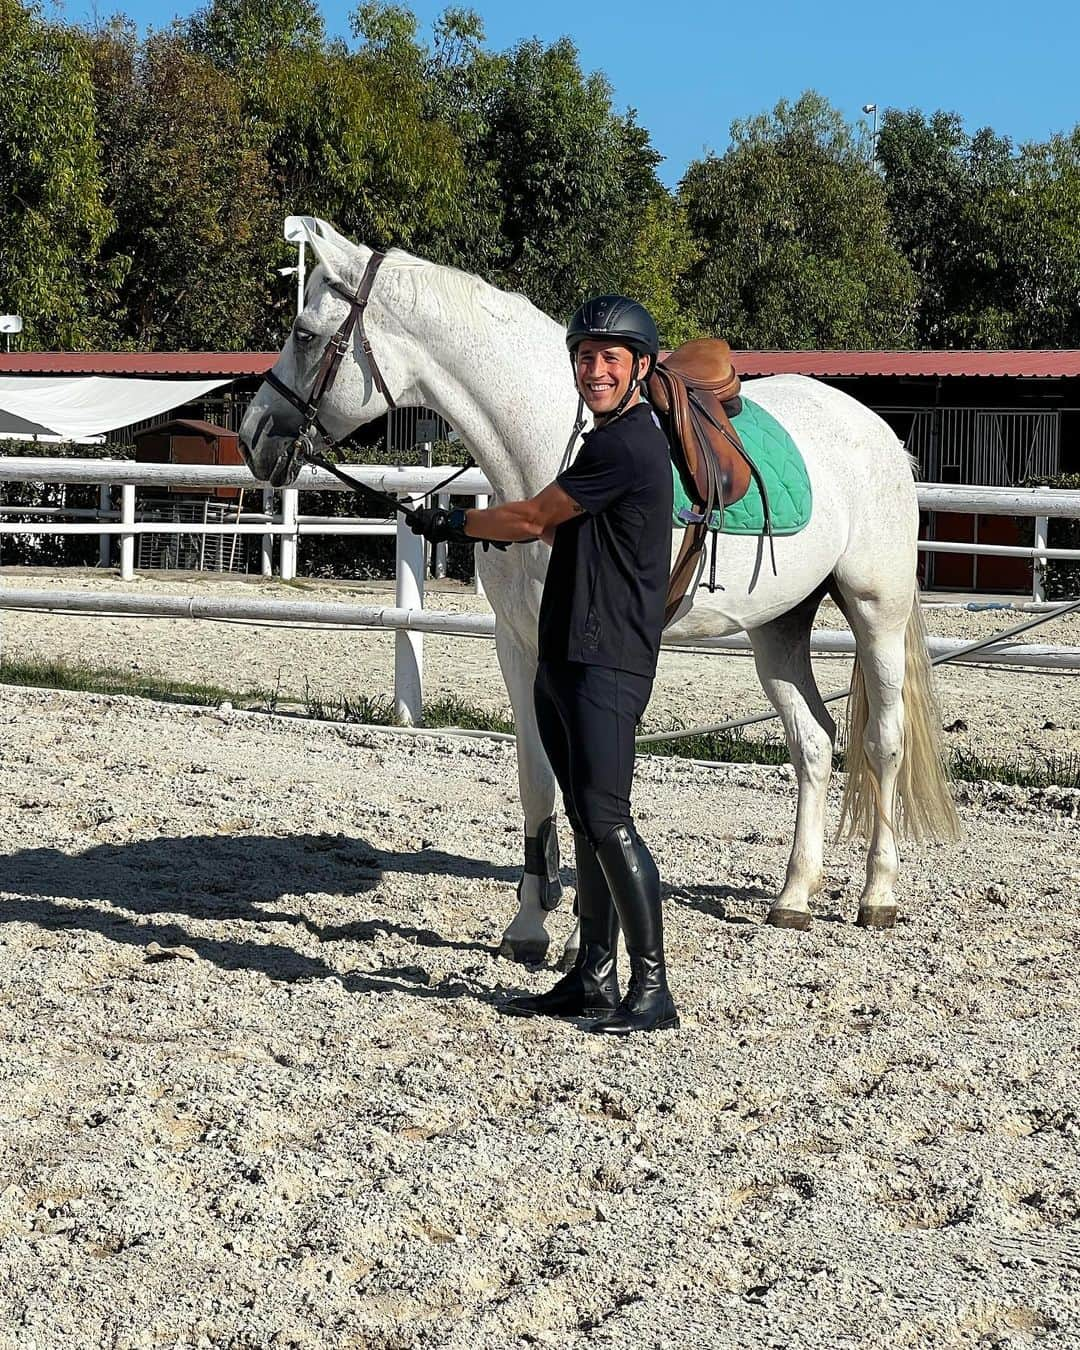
(336, 253)
(323, 239)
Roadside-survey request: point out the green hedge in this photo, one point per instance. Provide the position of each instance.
(53, 550)
(1061, 576)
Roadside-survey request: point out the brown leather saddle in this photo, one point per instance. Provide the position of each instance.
(695, 391)
(690, 388)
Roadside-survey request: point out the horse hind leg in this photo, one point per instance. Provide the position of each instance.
(782, 657)
(875, 750)
(895, 766)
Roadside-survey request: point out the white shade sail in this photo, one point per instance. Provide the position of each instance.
(87, 405)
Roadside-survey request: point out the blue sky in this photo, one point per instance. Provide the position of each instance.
(690, 66)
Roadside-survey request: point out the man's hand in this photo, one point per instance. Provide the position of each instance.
(439, 525)
(442, 526)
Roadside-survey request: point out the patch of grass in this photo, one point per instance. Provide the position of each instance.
(452, 711)
(81, 676)
(1029, 771)
(726, 747)
(371, 709)
(378, 710)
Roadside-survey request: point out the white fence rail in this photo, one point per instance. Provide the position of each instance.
(400, 618)
(412, 482)
(408, 618)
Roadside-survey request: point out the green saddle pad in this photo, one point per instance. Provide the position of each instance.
(783, 469)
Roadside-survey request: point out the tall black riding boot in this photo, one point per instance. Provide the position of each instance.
(635, 889)
(591, 987)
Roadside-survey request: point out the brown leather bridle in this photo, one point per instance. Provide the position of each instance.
(303, 445)
(331, 361)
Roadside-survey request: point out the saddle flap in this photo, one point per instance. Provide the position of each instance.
(689, 388)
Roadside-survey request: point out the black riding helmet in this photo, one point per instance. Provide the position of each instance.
(616, 318)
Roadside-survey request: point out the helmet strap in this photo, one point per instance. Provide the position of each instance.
(579, 426)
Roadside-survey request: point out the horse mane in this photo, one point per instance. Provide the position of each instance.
(466, 295)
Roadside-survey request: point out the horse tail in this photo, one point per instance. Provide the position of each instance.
(924, 803)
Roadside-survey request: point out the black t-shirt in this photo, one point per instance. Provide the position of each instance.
(606, 584)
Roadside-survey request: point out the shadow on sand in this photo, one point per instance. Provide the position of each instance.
(113, 889)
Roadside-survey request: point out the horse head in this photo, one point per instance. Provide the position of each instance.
(327, 380)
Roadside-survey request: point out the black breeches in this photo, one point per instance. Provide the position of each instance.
(588, 717)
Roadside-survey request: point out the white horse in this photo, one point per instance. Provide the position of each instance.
(497, 370)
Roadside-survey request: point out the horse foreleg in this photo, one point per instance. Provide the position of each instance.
(540, 889)
(782, 657)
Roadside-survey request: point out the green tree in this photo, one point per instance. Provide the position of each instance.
(945, 193)
(237, 34)
(795, 239)
(196, 220)
(1043, 227)
(52, 214)
(993, 234)
(564, 199)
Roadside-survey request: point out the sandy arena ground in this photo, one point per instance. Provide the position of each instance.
(991, 712)
(256, 1093)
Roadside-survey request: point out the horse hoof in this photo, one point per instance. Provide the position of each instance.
(524, 953)
(877, 916)
(799, 919)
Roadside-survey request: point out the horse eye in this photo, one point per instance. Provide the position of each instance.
(303, 336)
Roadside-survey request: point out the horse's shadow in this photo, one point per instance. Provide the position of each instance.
(236, 877)
(724, 903)
(719, 901)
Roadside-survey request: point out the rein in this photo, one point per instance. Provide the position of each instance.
(325, 376)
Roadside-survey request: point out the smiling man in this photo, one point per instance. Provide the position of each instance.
(607, 519)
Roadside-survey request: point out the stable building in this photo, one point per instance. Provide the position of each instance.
(992, 418)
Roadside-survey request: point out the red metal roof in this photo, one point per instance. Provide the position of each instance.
(162, 365)
(831, 364)
(837, 364)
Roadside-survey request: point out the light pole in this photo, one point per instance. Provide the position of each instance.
(872, 108)
(296, 233)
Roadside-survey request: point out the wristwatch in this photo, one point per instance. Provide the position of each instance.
(456, 519)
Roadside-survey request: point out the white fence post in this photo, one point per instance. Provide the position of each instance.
(481, 504)
(290, 538)
(1038, 565)
(409, 646)
(105, 542)
(127, 541)
(267, 542)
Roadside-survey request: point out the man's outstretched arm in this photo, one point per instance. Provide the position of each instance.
(519, 522)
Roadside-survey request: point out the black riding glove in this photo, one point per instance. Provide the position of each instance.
(442, 526)
(439, 525)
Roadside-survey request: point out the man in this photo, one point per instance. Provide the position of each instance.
(607, 519)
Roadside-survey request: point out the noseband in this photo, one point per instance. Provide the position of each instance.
(332, 358)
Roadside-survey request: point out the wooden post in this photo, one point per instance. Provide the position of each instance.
(481, 504)
(290, 539)
(1038, 565)
(267, 540)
